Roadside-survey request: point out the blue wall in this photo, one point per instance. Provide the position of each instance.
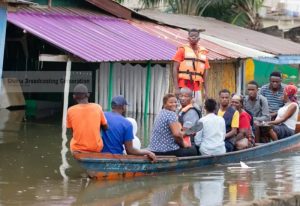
(3, 17)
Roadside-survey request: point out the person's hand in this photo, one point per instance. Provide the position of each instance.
(151, 156)
(257, 123)
(185, 145)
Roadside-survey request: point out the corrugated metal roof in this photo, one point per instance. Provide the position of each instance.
(281, 59)
(91, 36)
(178, 37)
(113, 8)
(245, 37)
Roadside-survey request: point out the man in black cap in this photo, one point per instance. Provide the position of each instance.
(120, 131)
(85, 119)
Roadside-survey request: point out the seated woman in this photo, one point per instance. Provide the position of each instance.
(211, 138)
(244, 138)
(167, 137)
(285, 123)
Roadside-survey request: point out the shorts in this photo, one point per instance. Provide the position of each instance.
(283, 131)
(229, 145)
(181, 152)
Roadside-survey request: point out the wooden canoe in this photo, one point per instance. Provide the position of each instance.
(109, 166)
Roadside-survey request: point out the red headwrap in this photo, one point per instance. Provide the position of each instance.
(291, 91)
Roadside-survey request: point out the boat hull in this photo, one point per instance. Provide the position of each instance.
(109, 166)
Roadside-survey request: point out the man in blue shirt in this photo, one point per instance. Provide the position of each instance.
(120, 131)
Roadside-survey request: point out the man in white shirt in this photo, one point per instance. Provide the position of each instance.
(211, 138)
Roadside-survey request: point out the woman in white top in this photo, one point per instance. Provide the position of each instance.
(286, 120)
(211, 138)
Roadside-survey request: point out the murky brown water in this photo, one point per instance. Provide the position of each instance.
(33, 171)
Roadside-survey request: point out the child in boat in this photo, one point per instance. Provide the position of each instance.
(211, 138)
(285, 123)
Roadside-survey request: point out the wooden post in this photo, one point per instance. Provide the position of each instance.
(64, 149)
(66, 92)
(239, 77)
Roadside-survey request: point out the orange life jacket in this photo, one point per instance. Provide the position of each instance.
(193, 66)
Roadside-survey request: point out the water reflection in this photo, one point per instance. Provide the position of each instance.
(30, 175)
(205, 191)
(10, 124)
(211, 186)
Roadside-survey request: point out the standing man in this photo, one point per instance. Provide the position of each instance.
(189, 113)
(231, 117)
(120, 131)
(190, 65)
(273, 91)
(85, 119)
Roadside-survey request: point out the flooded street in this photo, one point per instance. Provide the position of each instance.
(32, 172)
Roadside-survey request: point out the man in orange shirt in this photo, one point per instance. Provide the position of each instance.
(190, 65)
(85, 119)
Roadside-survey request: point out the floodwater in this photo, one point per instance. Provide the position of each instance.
(34, 170)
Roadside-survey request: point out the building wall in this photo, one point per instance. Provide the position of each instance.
(221, 76)
(260, 72)
(136, 4)
(282, 23)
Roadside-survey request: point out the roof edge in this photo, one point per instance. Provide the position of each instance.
(113, 8)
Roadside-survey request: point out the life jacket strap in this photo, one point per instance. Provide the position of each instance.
(190, 73)
(195, 60)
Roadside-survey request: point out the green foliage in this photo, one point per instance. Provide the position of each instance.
(240, 12)
(246, 13)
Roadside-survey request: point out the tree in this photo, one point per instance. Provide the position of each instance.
(246, 13)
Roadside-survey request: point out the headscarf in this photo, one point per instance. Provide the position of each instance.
(291, 91)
